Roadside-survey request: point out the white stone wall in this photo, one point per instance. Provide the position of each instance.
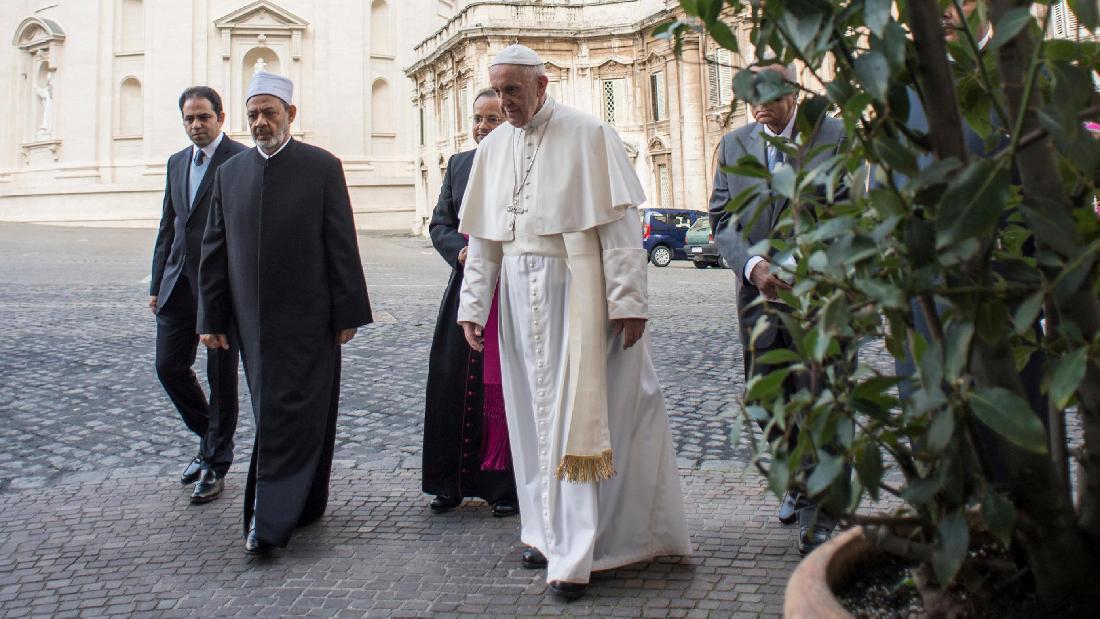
(118, 66)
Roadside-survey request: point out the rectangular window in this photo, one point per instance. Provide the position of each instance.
(554, 89)
(657, 94)
(445, 117)
(463, 108)
(664, 185)
(421, 125)
(720, 78)
(614, 101)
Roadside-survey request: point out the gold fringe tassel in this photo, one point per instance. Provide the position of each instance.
(586, 469)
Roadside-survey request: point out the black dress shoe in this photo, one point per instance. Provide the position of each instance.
(568, 590)
(815, 527)
(503, 509)
(532, 559)
(442, 504)
(208, 488)
(253, 545)
(810, 537)
(788, 512)
(192, 472)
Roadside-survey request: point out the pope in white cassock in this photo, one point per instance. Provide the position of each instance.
(551, 210)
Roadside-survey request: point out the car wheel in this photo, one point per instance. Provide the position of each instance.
(722, 263)
(661, 256)
(699, 264)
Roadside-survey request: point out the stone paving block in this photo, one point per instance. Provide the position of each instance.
(94, 521)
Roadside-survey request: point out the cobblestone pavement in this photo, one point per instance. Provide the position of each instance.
(93, 521)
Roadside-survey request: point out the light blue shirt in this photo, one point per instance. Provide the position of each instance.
(199, 165)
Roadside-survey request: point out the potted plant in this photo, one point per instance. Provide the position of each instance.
(976, 262)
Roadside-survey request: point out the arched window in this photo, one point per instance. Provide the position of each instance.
(381, 35)
(132, 23)
(131, 110)
(381, 108)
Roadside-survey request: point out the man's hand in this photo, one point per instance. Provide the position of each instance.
(153, 304)
(631, 328)
(215, 340)
(462, 255)
(766, 282)
(473, 333)
(345, 336)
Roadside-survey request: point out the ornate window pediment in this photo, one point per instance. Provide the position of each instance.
(262, 15)
(37, 33)
(262, 19)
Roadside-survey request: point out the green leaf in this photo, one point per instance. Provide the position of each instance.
(921, 491)
(869, 468)
(783, 181)
(779, 476)
(761, 387)
(954, 541)
(1009, 26)
(1027, 312)
(802, 27)
(991, 320)
(827, 468)
(778, 356)
(972, 203)
(875, 14)
(999, 515)
(884, 292)
(1068, 373)
(873, 72)
(722, 35)
(1087, 12)
(1010, 416)
(959, 335)
(735, 432)
(939, 433)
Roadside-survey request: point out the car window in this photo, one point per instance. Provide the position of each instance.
(658, 217)
(701, 223)
(682, 221)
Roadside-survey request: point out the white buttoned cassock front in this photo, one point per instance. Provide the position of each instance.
(638, 514)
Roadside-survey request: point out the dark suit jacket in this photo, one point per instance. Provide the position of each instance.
(730, 234)
(443, 229)
(179, 242)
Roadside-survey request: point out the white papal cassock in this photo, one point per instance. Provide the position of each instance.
(637, 514)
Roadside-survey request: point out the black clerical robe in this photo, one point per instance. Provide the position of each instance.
(280, 257)
(454, 402)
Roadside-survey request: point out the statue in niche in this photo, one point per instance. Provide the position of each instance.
(261, 65)
(45, 97)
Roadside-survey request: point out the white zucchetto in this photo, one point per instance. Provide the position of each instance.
(517, 54)
(264, 83)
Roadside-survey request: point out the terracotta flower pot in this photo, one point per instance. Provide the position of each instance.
(810, 589)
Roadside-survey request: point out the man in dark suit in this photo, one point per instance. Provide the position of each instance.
(756, 275)
(466, 449)
(174, 295)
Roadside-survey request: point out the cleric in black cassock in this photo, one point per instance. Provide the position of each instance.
(466, 451)
(280, 258)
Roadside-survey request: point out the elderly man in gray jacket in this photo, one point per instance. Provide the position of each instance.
(736, 234)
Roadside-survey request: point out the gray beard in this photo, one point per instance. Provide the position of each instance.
(272, 142)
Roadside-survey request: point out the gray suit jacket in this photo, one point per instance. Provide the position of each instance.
(732, 233)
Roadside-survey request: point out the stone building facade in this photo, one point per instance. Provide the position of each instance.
(602, 58)
(91, 89)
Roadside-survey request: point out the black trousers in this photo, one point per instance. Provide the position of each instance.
(213, 421)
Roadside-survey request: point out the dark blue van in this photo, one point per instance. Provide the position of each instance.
(663, 232)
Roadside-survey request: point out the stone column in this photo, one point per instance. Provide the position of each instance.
(692, 164)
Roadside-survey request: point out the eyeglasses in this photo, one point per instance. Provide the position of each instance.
(492, 120)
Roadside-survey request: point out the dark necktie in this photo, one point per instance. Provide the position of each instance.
(198, 170)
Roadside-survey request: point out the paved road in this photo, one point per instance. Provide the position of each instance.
(92, 520)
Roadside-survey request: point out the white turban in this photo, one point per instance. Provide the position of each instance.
(517, 54)
(264, 83)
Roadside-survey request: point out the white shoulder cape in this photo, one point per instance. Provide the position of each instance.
(585, 178)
